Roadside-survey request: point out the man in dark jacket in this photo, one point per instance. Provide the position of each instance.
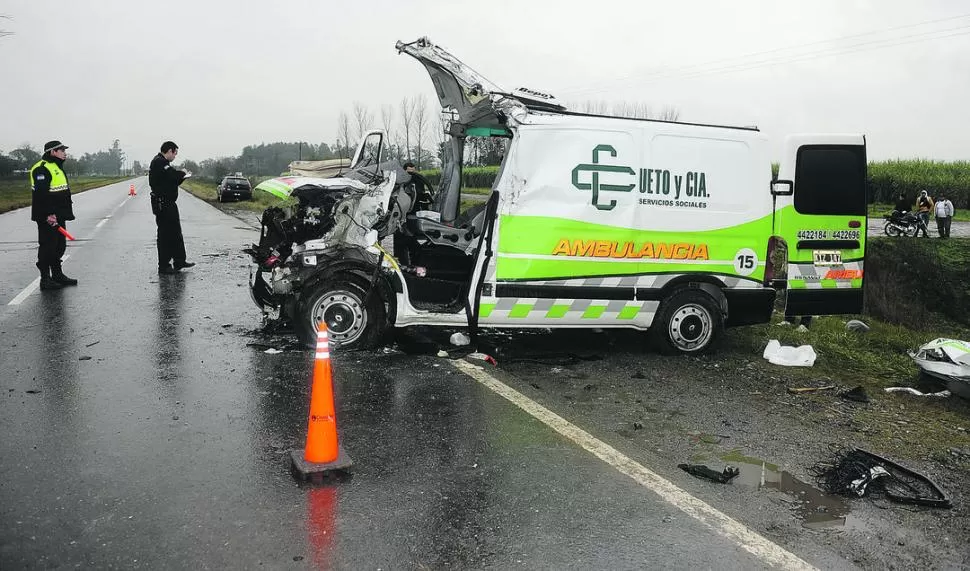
(164, 181)
(50, 207)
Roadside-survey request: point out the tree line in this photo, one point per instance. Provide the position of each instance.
(110, 161)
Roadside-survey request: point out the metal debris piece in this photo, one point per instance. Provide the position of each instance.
(705, 473)
(859, 472)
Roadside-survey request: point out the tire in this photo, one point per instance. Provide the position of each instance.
(892, 230)
(689, 322)
(340, 302)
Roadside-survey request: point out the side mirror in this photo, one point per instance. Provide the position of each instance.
(782, 188)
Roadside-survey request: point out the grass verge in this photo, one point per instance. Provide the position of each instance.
(15, 193)
(901, 424)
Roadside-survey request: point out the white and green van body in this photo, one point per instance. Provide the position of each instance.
(597, 221)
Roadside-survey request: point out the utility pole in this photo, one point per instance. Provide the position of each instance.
(301, 150)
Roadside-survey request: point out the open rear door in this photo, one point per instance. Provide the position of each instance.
(820, 212)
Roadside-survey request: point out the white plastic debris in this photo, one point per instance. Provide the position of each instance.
(856, 325)
(442, 353)
(911, 390)
(459, 339)
(803, 356)
(272, 351)
(947, 359)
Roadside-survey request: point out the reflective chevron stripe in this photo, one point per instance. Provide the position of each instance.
(809, 276)
(532, 309)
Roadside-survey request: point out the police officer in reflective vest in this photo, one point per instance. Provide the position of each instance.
(50, 207)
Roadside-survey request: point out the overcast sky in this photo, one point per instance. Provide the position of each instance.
(218, 75)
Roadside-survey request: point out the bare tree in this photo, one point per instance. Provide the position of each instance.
(669, 113)
(407, 117)
(420, 124)
(343, 134)
(387, 121)
(362, 119)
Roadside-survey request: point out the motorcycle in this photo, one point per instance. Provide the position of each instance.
(904, 224)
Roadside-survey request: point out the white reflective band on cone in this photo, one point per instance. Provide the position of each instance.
(323, 355)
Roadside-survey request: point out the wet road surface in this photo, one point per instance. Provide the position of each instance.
(141, 431)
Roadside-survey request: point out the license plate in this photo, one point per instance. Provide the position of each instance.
(827, 257)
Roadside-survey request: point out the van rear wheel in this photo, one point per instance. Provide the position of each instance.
(353, 322)
(689, 321)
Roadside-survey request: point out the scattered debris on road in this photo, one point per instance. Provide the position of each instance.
(800, 390)
(483, 357)
(272, 351)
(459, 339)
(859, 472)
(777, 354)
(912, 391)
(705, 473)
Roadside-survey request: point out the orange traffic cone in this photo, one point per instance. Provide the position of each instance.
(131, 190)
(323, 452)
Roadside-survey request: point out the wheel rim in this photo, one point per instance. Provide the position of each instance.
(691, 327)
(344, 314)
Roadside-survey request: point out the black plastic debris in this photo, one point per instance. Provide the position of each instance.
(857, 394)
(859, 473)
(705, 473)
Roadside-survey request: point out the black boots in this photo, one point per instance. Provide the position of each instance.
(46, 282)
(53, 278)
(58, 276)
(182, 264)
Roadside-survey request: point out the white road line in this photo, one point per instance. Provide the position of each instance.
(722, 524)
(30, 288)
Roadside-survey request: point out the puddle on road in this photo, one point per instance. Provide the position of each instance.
(816, 509)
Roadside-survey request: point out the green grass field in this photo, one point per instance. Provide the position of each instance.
(15, 193)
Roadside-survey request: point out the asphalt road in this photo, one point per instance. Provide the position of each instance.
(140, 431)
(144, 426)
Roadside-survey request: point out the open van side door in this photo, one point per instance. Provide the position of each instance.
(820, 212)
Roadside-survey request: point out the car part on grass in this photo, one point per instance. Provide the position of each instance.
(859, 472)
(856, 325)
(857, 394)
(912, 391)
(701, 471)
(777, 354)
(947, 360)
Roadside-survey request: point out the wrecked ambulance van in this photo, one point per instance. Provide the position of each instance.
(593, 221)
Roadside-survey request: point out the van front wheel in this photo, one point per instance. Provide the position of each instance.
(689, 321)
(353, 321)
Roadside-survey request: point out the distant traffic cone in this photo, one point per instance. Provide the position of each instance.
(323, 452)
(131, 190)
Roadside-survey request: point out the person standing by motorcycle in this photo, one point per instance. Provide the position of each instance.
(924, 204)
(902, 205)
(944, 215)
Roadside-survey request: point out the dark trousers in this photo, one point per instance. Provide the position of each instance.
(171, 246)
(50, 246)
(943, 226)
